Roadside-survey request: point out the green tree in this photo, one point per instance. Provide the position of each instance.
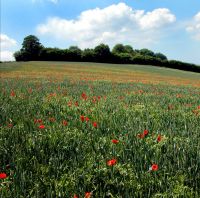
(146, 52)
(118, 48)
(31, 48)
(102, 53)
(160, 56)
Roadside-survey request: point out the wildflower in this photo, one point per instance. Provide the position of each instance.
(82, 118)
(84, 96)
(114, 141)
(94, 124)
(145, 132)
(12, 93)
(154, 167)
(88, 194)
(64, 122)
(76, 103)
(75, 196)
(3, 176)
(10, 125)
(87, 119)
(159, 138)
(111, 162)
(41, 127)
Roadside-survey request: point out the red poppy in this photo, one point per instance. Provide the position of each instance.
(41, 127)
(88, 194)
(198, 107)
(94, 124)
(159, 138)
(3, 175)
(82, 118)
(64, 122)
(12, 93)
(10, 125)
(84, 96)
(145, 132)
(87, 119)
(114, 141)
(111, 162)
(154, 167)
(75, 196)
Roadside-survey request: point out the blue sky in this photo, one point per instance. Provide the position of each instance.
(170, 27)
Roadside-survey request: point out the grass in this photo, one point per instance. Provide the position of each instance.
(49, 149)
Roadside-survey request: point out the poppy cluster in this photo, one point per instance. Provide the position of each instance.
(144, 134)
(83, 118)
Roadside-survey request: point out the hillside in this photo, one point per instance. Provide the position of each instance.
(100, 71)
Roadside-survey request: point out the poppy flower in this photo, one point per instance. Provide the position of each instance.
(154, 167)
(88, 194)
(41, 127)
(159, 138)
(3, 176)
(64, 122)
(114, 141)
(12, 93)
(82, 118)
(10, 125)
(94, 124)
(84, 96)
(75, 196)
(111, 162)
(145, 132)
(87, 119)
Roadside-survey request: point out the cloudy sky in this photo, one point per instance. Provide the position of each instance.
(170, 27)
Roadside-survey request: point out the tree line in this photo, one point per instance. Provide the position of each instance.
(33, 50)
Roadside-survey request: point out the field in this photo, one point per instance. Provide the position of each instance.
(98, 130)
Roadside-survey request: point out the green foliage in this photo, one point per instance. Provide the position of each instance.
(102, 53)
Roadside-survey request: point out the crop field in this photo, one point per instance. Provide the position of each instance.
(88, 130)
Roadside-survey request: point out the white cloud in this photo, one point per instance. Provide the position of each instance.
(111, 25)
(6, 44)
(194, 27)
(6, 56)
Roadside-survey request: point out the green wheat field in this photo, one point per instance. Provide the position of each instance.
(71, 130)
